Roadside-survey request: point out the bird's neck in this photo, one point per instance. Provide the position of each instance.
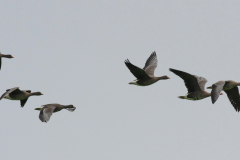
(34, 94)
(67, 106)
(163, 77)
(5, 55)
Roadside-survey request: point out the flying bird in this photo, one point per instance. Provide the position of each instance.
(47, 110)
(230, 87)
(17, 94)
(195, 85)
(145, 76)
(4, 56)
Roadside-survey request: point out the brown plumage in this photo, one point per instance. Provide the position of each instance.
(4, 56)
(194, 84)
(47, 110)
(230, 87)
(17, 94)
(145, 76)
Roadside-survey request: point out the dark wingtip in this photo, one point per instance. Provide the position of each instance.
(126, 61)
(237, 109)
(213, 101)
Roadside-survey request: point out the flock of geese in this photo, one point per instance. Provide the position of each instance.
(23, 95)
(194, 84)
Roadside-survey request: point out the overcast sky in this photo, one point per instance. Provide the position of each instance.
(74, 51)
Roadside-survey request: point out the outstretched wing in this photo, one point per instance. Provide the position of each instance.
(191, 81)
(151, 64)
(201, 82)
(136, 71)
(216, 90)
(12, 90)
(234, 98)
(23, 102)
(46, 113)
(29, 91)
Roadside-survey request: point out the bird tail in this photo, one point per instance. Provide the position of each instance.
(183, 97)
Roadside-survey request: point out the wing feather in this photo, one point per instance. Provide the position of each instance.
(191, 81)
(151, 64)
(8, 91)
(201, 82)
(23, 102)
(234, 97)
(216, 90)
(46, 113)
(136, 71)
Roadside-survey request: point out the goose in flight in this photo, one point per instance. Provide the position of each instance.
(230, 87)
(17, 94)
(195, 85)
(4, 56)
(145, 76)
(47, 110)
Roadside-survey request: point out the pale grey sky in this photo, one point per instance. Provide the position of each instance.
(74, 52)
